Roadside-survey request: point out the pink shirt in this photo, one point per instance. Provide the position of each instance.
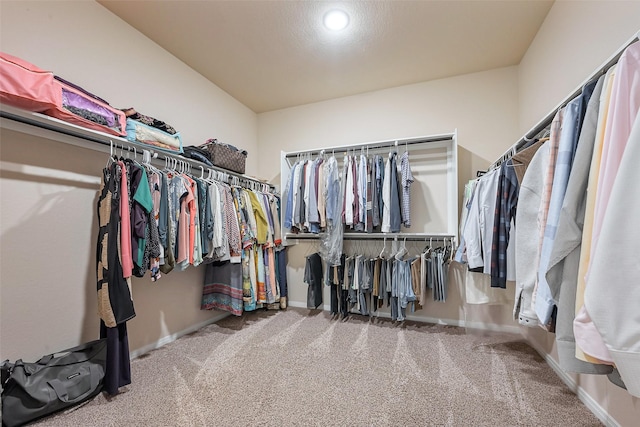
(625, 103)
(125, 225)
(192, 208)
(183, 227)
(623, 108)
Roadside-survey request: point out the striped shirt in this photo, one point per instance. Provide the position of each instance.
(543, 211)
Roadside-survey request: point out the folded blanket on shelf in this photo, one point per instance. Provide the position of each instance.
(142, 133)
(147, 120)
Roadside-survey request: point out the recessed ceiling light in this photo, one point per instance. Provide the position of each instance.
(336, 20)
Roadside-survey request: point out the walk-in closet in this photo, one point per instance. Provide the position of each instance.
(311, 213)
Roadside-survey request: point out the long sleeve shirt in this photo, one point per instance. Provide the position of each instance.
(290, 192)
(544, 302)
(543, 210)
(386, 197)
(613, 293)
(407, 180)
(505, 212)
(349, 195)
(623, 111)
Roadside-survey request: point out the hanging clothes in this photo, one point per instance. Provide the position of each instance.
(313, 277)
(545, 199)
(281, 263)
(223, 287)
(522, 159)
(394, 199)
(566, 151)
(331, 240)
(367, 201)
(527, 231)
(478, 231)
(621, 119)
(618, 287)
(115, 305)
(562, 274)
(406, 181)
(505, 212)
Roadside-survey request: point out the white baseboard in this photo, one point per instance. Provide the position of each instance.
(171, 338)
(584, 397)
(439, 321)
(298, 304)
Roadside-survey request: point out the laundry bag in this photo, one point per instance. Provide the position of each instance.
(24, 85)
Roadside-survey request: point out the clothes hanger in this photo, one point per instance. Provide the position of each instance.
(213, 176)
(111, 159)
(394, 247)
(402, 251)
(384, 246)
(452, 249)
(146, 157)
(430, 247)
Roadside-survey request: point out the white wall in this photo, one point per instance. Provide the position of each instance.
(482, 106)
(48, 189)
(574, 40)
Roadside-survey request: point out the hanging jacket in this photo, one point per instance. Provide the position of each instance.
(527, 232)
(115, 305)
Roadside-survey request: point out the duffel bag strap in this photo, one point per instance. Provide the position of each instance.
(5, 371)
(45, 359)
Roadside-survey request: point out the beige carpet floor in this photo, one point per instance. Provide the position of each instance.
(301, 368)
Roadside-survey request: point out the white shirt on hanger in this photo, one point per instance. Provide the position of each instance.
(386, 197)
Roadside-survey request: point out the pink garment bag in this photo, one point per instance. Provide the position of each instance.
(26, 86)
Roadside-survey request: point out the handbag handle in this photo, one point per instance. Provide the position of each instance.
(60, 389)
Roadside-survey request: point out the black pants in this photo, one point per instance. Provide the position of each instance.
(313, 277)
(118, 370)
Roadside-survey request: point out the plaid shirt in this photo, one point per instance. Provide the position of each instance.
(506, 203)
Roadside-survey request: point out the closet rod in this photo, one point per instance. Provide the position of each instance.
(545, 122)
(376, 236)
(60, 127)
(373, 145)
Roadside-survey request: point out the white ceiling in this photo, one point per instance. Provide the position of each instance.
(276, 54)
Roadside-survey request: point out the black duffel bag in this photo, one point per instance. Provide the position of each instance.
(53, 383)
